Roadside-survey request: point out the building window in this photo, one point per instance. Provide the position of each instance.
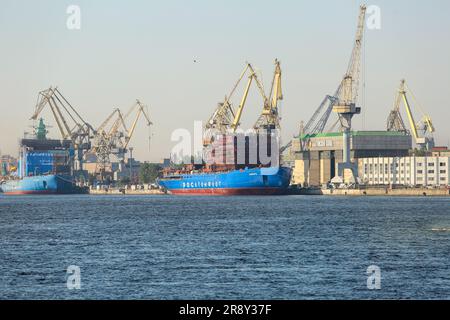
(430, 179)
(419, 171)
(431, 171)
(443, 179)
(442, 164)
(419, 164)
(431, 164)
(419, 179)
(443, 171)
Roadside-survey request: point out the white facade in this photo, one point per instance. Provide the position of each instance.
(408, 171)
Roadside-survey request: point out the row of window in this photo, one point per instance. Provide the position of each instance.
(386, 172)
(419, 179)
(396, 165)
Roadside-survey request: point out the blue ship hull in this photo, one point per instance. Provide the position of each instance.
(258, 181)
(48, 184)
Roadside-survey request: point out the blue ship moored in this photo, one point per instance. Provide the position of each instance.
(256, 181)
(45, 184)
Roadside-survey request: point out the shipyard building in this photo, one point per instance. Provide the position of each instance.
(317, 164)
(408, 171)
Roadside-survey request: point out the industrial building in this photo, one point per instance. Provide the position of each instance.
(407, 171)
(128, 168)
(318, 164)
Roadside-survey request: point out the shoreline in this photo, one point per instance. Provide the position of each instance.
(122, 192)
(419, 192)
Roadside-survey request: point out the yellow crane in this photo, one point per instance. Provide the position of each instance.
(237, 117)
(225, 118)
(269, 118)
(422, 131)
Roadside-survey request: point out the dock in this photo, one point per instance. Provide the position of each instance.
(401, 192)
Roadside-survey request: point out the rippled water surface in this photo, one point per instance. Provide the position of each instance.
(164, 247)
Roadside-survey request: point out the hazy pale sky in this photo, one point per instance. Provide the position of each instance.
(146, 49)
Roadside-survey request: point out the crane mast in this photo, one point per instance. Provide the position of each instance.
(346, 107)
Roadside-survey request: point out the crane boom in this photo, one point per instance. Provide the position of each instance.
(421, 131)
(410, 115)
(258, 84)
(275, 91)
(58, 122)
(269, 118)
(141, 111)
(68, 134)
(108, 119)
(350, 83)
(237, 117)
(222, 118)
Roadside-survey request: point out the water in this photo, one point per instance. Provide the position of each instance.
(163, 247)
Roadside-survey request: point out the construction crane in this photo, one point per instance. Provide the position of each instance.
(313, 126)
(346, 107)
(69, 122)
(345, 96)
(269, 118)
(113, 135)
(422, 131)
(225, 118)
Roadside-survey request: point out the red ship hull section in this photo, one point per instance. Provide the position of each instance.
(229, 191)
(17, 193)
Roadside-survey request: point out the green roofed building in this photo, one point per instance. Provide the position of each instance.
(316, 165)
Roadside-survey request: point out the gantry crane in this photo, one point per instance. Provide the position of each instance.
(269, 118)
(113, 136)
(422, 131)
(70, 124)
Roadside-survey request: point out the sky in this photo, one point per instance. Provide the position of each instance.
(182, 57)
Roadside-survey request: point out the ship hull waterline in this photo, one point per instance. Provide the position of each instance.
(257, 181)
(42, 185)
